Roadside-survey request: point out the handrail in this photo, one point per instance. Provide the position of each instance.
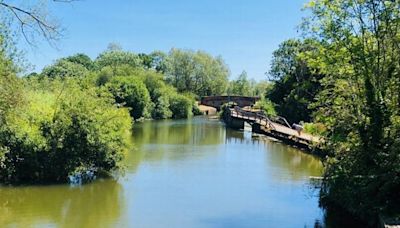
(254, 115)
(278, 129)
(284, 120)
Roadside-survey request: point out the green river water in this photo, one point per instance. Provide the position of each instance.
(182, 173)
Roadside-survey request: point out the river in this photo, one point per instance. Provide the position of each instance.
(182, 173)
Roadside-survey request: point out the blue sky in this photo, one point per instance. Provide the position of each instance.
(244, 33)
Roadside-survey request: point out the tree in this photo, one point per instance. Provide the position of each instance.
(33, 20)
(158, 61)
(116, 58)
(196, 72)
(62, 130)
(81, 59)
(132, 93)
(241, 86)
(181, 106)
(261, 88)
(64, 68)
(160, 94)
(295, 83)
(146, 60)
(359, 54)
(10, 87)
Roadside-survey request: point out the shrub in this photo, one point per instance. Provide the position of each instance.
(181, 106)
(267, 106)
(63, 69)
(60, 131)
(315, 128)
(132, 93)
(162, 108)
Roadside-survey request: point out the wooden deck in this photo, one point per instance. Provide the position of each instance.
(272, 128)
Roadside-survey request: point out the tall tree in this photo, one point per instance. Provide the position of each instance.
(115, 58)
(359, 53)
(64, 68)
(295, 84)
(81, 59)
(196, 72)
(241, 86)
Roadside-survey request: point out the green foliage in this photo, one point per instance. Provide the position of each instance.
(60, 130)
(64, 69)
(158, 61)
(10, 86)
(131, 92)
(81, 59)
(117, 58)
(196, 72)
(181, 106)
(295, 83)
(73, 117)
(261, 88)
(267, 106)
(358, 52)
(241, 86)
(315, 129)
(160, 94)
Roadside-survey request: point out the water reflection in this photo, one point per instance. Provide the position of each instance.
(298, 164)
(184, 173)
(191, 132)
(174, 140)
(94, 205)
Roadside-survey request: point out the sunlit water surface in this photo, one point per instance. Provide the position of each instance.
(184, 173)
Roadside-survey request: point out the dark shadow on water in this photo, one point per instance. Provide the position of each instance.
(336, 217)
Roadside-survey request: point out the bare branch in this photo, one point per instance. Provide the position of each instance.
(35, 22)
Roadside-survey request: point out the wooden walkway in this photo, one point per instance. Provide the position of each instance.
(272, 128)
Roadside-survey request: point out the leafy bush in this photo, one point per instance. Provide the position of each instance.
(116, 58)
(162, 108)
(315, 128)
(181, 106)
(81, 59)
(267, 106)
(132, 93)
(10, 89)
(62, 130)
(196, 110)
(63, 69)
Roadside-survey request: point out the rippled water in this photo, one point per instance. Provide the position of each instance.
(185, 173)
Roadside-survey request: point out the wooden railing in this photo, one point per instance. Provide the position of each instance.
(282, 120)
(253, 116)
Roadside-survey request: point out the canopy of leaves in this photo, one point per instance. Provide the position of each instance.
(360, 104)
(116, 58)
(64, 68)
(10, 85)
(131, 92)
(60, 130)
(241, 86)
(295, 84)
(196, 72)
(81, 59)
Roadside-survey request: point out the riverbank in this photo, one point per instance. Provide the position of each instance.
(193, 167)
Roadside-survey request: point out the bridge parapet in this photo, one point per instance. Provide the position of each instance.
(218, 101)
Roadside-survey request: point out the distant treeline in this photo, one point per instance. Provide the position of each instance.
(75, 116)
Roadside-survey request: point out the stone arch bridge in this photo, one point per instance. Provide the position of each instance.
(218, 101)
